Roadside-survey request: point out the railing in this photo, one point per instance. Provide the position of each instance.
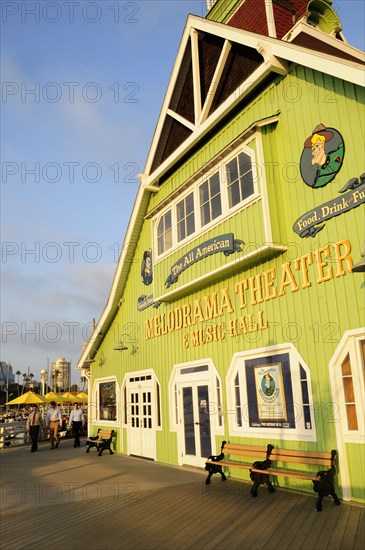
(13, 433)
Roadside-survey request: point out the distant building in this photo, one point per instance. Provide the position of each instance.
(60, 374)
(44, 381)
(6, 374)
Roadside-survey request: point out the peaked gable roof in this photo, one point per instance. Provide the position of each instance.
(216, 66)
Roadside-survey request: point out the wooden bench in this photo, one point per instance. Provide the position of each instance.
(101, 441)
(261, 470)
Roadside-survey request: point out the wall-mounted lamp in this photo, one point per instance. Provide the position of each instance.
(120, 347)
(89, 361)
(360, 266)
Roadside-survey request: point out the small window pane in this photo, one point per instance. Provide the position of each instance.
(160, 227)
(231, 171)
(305, 395)
(244, 163)
(348, 389)
(240, 184)
(346, 367)
(234, 196)
(214, 185)
(205, 214)
(203, 193)
(351, 417)
(210, 199)
(190, 224)
(216, 207)
(185, 217)
(247, 185)
(168, 220)
(307, 417)
(180, 210)
(164, 233)
(189, 201)
(181, 231)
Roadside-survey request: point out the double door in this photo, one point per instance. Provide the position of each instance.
(141, 429)
(196, 440)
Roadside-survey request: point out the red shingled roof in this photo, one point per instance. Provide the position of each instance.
(251, 16)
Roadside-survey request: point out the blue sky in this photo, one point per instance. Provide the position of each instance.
(82, 86)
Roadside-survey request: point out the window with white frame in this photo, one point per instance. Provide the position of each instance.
(210, 199)
(164, 233)
(347, 369)
(185, 217)
(107, 400)
(239, 179)
(269, 392)
(230, 185)
(349, 394)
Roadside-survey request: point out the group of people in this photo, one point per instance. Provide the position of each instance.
(53, 421)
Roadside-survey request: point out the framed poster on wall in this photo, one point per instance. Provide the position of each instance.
(269, 392)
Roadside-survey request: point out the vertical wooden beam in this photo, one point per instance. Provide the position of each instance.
(270, 18)
(194, 36)
(215, 80)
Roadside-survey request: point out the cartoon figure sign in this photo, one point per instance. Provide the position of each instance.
(146, 268)
(322, 156)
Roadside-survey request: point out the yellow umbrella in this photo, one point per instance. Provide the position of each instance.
(69, 397)
(82, 397)
(28, 398)
(52, 396)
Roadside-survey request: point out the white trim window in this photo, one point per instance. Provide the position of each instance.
(185, 217)
(347, 372)
(240, 179)
(164, 232)
(210, 203)
(269, 394)
(229, 186)
(106, 400)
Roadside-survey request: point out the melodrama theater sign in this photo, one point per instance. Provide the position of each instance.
(203, 318)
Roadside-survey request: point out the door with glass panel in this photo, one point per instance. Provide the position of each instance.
(196, 423)
(140, 411)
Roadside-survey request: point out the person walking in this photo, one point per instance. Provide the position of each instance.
(34, 422)
(54, 422)
(76, 421)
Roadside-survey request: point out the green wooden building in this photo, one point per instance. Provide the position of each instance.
(237, 307)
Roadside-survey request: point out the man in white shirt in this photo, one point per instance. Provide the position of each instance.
(34, 422)
(76, 421)
(54, 422)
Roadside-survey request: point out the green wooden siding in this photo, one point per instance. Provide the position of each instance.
(320, 314)
(356, 458)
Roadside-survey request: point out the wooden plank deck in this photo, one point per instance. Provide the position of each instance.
(69, 498)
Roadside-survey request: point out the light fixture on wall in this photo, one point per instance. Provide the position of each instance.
(360, 266)
(120, 347)
(89, 361)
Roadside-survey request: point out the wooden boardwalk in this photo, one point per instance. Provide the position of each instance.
(70, 499)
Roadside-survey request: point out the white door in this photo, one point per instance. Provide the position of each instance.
(196, 439)
(141, 429)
